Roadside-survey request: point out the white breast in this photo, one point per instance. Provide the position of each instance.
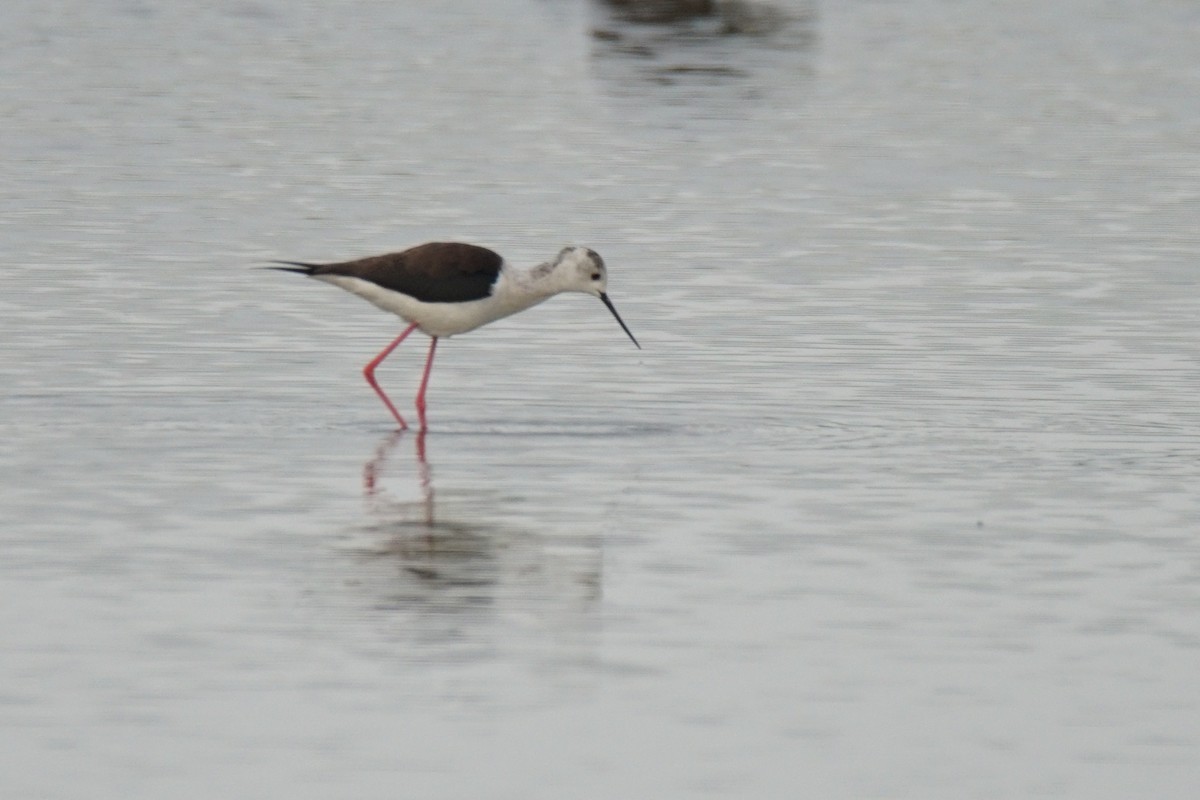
(442, 319)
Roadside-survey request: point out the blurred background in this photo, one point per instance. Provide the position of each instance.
(898, 500)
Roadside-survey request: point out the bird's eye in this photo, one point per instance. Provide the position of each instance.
(595, 276)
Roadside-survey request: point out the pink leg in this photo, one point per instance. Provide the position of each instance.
(369, 373)
(425, 383)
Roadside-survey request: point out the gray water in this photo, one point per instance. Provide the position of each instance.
(899, 500)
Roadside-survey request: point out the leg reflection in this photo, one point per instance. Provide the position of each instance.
(373, 471)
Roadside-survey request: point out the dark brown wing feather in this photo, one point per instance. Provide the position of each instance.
(437, 272)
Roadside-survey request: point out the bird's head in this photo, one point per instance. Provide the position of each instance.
(580, 269)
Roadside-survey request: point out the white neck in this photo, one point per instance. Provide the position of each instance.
(534, 283)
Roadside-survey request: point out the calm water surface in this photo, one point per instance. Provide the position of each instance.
(899, 500)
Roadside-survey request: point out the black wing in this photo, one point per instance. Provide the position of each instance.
(437, 272)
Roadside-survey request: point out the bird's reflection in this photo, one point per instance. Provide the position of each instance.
(462, 557)
(452, 553)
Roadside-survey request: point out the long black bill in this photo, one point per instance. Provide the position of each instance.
(613, 309)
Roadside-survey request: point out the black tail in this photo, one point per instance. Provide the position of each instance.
(296, 266)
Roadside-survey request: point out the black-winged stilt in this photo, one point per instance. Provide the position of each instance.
(447, 288)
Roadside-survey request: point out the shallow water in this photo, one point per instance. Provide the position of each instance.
(898, 500)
